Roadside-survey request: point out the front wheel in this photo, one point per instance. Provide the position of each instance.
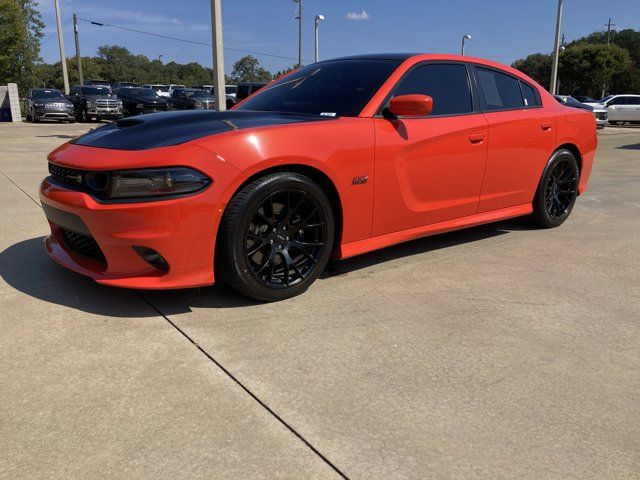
(557, 190)
(275, 237)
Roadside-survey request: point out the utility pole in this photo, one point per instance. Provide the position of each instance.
(608, 25)
(218, 56)
(78, 58)
(63, 60)
(556, 51)
(299, 18)
(317, 20)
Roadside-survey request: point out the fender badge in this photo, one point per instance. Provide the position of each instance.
(360, 180)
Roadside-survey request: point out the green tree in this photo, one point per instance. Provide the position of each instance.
(248, 69)
(21, 29)
(537, 66)
(585, 68)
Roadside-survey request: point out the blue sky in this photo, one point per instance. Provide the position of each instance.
(502, 30)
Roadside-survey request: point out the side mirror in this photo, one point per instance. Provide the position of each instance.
(413, 105)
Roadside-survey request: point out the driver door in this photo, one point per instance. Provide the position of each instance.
(430, 169)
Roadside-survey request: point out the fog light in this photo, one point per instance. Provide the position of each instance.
(152, 257)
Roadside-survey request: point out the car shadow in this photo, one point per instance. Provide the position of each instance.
(56, 136)
(25, 267)
(631, 146)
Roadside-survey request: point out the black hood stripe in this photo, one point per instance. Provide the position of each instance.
(173, 128)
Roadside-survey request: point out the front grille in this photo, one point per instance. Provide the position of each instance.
(84, 245)
(106, 103)
(155, 106)
(57, 106)
(72, 177)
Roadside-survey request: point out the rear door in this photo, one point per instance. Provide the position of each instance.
(429, 169)
(521, 138)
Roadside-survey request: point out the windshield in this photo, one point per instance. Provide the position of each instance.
(198, 93)
(47, 94)
(143, 93)
(230, 90)
(96, 90)
(333, 88)
(602, 100)
(159, 88)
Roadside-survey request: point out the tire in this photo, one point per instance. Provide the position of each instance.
(557, 191)
(28, 117)
(84, 115)
(275, 237)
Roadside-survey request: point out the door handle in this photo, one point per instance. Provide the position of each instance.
(476, 137)
(546, 125)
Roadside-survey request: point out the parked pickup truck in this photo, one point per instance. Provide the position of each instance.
(94, 101)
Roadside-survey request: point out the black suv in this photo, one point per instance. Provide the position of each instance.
(48, 104)
(94, 101)
(246, 89)
(138, 100)
(191, 99)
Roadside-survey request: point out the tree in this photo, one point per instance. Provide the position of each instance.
(586, 68)
(248, 69)
(20, 33)
(537, 66)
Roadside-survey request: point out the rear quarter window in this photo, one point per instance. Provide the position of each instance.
(529, 95)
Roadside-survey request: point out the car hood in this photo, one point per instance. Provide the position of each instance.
(54, 100)
(596, 105)
(99, 97)
(148, 100)
(173, 128)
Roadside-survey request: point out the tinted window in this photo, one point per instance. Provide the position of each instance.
(230, 89)
(530, 99)
(500, 91)
(634, 101)
(332, 88)
(448, 85)
(243, 91)
(97, 90)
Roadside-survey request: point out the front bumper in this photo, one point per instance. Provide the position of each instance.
(105, 112)
(182, 230)
(50, 114)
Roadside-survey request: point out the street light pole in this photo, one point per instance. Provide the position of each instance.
(464, 39)
(78, 58)
(556, 51)
(317, 20)
(299, 18)
(218, 56)
(63, 60)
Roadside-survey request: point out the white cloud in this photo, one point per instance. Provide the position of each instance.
(358, 16)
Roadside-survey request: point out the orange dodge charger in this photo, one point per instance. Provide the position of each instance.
(337, 158)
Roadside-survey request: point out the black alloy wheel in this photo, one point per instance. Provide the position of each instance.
(557, 191)
(275, 237)
(84, 115)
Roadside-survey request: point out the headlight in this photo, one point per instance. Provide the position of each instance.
(156, 182)
(38, 104)
(91, 103)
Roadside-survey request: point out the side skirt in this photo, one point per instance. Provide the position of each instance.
(363, 246)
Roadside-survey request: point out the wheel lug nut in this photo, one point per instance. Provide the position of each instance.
(271, 241)
(284, 228)
(279, 247)
(274, 229)
(286, 238)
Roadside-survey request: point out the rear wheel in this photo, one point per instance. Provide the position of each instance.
(275, 237)
(557, 190)
(84, 115)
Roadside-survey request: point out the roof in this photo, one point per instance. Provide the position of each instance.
(376, 56)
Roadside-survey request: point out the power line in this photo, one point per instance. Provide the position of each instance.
(168, 37)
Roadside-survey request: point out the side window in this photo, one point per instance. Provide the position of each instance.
(447, 84)
(618, 101)
(500, 91)
(634, 101)
(530, 99)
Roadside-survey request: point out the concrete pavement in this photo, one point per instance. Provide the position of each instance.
(495, 352)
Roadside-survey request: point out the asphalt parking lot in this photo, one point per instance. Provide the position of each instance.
(495, 352)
